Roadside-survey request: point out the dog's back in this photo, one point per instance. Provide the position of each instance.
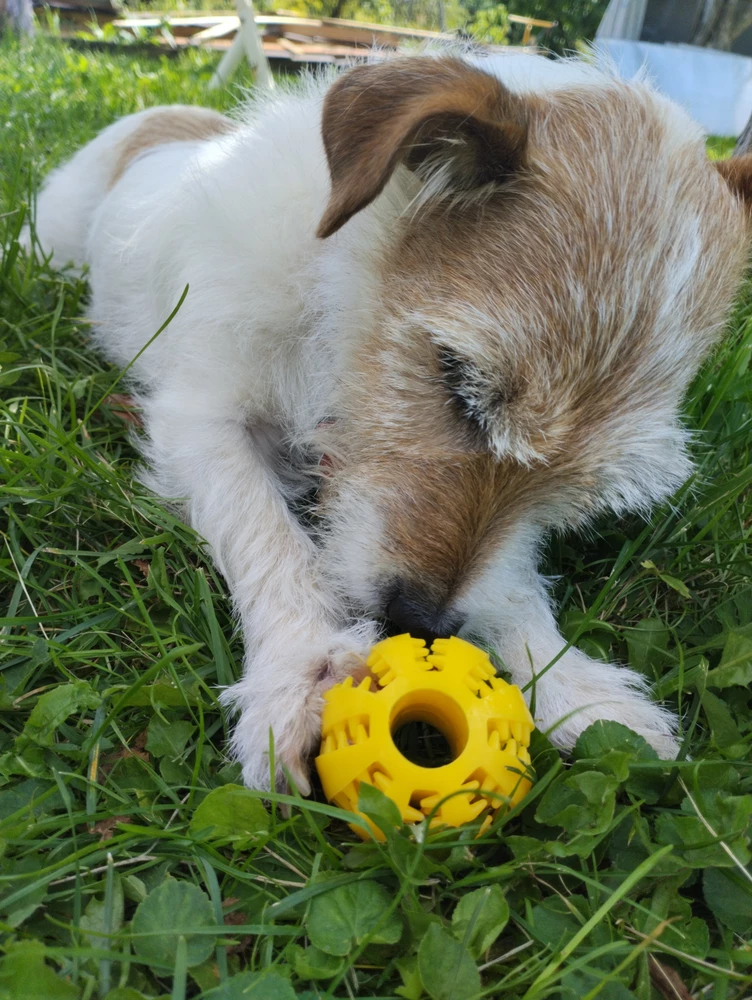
(73, 193)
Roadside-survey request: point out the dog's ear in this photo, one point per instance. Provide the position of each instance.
(737, 173)
(440, 117)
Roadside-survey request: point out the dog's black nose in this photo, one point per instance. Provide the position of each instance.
(410, 612)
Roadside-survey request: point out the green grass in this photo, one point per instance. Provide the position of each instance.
(617, 873)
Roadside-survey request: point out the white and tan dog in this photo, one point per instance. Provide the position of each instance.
(472, 299)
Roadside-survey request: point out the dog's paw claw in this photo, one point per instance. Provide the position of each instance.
(283, 692)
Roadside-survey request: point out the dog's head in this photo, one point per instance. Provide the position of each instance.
(565, 262)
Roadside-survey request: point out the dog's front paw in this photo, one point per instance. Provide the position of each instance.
(282, 691)
(578, 691)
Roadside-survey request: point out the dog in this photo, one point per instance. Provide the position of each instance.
(464, 297)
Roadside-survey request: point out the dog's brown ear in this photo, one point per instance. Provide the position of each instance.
(738, 175)
(437, 116)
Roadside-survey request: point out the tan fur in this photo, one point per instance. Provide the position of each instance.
(737, 172)
(559, 283)
(386, 113)
(170, 124)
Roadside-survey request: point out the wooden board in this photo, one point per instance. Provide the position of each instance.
(285, 37)
(331, 29)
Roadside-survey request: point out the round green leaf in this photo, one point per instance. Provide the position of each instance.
(172, 909)
(230, 812)
(53, 708)
(604, 736)
(728, 895)
(446, 969)
(253, 986)
(96, 922)
(168, 739)
(313, 963)
(24, 973)
(553, 920)
(479, 918)
(379, 808)
(343, 918)
(578, 984)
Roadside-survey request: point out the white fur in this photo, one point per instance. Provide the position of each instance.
(270, 324)
(509, 607)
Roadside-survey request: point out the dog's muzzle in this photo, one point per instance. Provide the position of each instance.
(411, 612)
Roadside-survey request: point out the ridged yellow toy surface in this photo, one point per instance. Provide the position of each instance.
(453, 687)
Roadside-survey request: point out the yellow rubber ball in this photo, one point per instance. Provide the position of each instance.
(452, 687)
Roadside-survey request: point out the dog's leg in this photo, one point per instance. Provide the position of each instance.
(296, 642)
(510, 607)
(576, 691)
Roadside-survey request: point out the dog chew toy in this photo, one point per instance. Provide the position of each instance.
(454, 688)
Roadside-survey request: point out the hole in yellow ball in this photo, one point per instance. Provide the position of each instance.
(423, 744)
(429, 728)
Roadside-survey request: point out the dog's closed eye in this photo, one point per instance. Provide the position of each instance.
(478, 396)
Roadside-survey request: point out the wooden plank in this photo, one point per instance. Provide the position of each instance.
(302, 27)
(519, 19)
(280, 49)
(180, 27)
(370, 26)
(343, 30)
(305, 25)
(311, 53)
(285, 36)
(98, 5)
(307, 40)
(270, 26)
(97, 11)
(334, 29)
(206, 16)
(314, 29)
(299, 49)
(226, 27)
(199, 21)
